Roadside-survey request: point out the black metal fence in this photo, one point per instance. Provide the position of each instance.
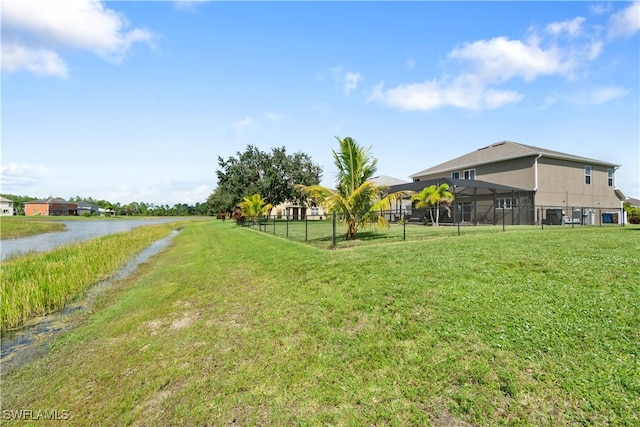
(329, 230)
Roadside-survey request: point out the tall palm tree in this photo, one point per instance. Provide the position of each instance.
(357, 199)
(434, 196)
(254, 207)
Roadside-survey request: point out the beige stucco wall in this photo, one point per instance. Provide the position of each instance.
(562, 183)
(518, 173)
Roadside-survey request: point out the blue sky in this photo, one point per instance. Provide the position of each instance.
(134, 101)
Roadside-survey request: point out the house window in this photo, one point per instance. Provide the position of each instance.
(610, 177)
(455, 175)
(506, 203)
(470, 174)
(416, 180)
(587, 175)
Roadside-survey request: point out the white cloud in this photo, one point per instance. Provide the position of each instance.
(626, 22)
(351, 82)
(243, 124)
(34, 26)
(191, 196)
(549, 100)
(599, 9)
(572, 27)
(604, 94)
(190, 5)
(501, 59)
(561, 49)
(348, 80)
(19, 175)
(274, 117)
(41, 62)
(430, 95)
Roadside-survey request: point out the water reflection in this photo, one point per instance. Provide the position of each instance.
(76, 231)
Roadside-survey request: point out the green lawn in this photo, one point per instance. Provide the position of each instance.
(230, 325)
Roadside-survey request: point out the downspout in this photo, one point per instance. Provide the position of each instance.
(535, 189)
(535, 169)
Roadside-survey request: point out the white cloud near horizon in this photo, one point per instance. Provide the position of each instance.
(17, 175)
(34, 32)
(562, 49)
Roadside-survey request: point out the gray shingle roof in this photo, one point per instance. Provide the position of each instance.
(387, 180)
(504, 150)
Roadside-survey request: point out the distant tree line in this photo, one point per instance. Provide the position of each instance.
(273, 175)
(129, 209)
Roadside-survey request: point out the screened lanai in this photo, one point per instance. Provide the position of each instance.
(475, 202)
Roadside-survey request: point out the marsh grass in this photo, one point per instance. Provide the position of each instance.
(13, 227)
(35, 284)
(232, 326)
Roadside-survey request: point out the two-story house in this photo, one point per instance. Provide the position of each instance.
(562, 185)
(50, 207)
(6, 207)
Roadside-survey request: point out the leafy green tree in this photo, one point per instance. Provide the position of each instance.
(356, 198)
(253, 207)
(633, 213)
(272, 175)
(433, 196)
(221, 201)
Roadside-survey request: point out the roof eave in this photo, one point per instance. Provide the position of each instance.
(518, 156)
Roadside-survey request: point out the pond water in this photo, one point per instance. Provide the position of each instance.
(21, 345)
(76, 231)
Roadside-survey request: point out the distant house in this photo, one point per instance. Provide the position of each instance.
(6, 207)
(50, 207)
(296, 211)
(530, 182)
(106, 212)
(85, 207)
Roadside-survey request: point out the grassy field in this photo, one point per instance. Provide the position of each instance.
(12, 227)
(233, 326)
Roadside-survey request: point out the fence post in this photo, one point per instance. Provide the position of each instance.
(503, 215)
(404, 226)
(541, 216)
(287, 222)
(306, 228)
(333, 238)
